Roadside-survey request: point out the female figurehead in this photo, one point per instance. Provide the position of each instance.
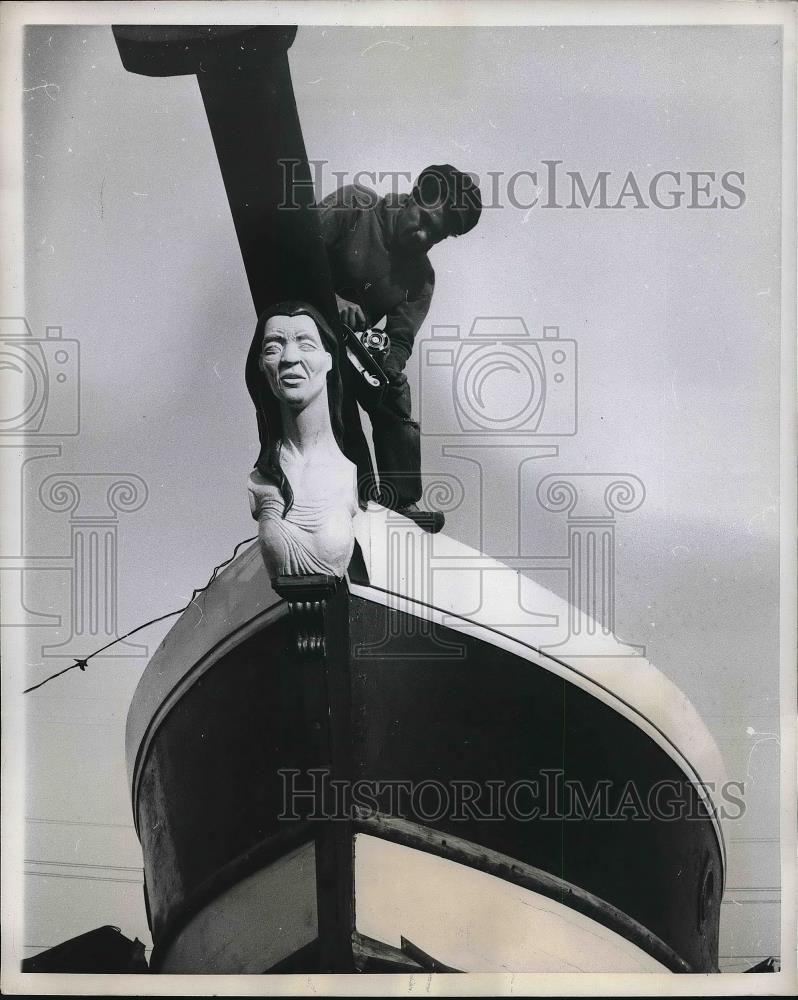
(303, 490)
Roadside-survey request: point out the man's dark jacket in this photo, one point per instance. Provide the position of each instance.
(358, 230)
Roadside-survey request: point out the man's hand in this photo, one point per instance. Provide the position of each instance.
(351, 314)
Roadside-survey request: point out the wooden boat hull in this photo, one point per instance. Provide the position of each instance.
(399, 700)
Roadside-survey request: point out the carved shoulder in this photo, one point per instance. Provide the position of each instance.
(261, 490)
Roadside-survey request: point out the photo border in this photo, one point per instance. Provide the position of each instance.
(14, 16)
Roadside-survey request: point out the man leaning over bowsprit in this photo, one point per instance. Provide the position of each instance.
(378, 256)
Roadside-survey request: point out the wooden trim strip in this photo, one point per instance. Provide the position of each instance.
(421, 838)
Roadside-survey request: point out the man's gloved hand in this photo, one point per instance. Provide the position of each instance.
(351, 314)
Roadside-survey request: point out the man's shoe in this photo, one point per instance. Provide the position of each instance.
(428, 520)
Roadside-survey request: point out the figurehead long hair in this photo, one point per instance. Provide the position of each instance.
(267, 406)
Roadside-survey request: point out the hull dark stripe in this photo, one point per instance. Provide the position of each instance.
(214, 654)
(233, 872)
(420, 610)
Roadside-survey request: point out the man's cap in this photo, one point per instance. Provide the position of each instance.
(443, 184)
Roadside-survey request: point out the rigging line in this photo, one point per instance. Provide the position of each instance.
(87, 878)
(753, 888)
(52, 677)
(750, 902)
(83, 864)
(150, 948)
(77, 822)
(83, 662)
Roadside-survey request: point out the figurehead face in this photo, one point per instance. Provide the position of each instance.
(294, 359)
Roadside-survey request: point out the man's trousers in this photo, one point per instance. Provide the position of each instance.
(397, 439)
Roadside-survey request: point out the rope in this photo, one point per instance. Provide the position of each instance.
(83, 662)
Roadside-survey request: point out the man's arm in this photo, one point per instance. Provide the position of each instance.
(351, 313)
(403, 322)
(338, 214)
